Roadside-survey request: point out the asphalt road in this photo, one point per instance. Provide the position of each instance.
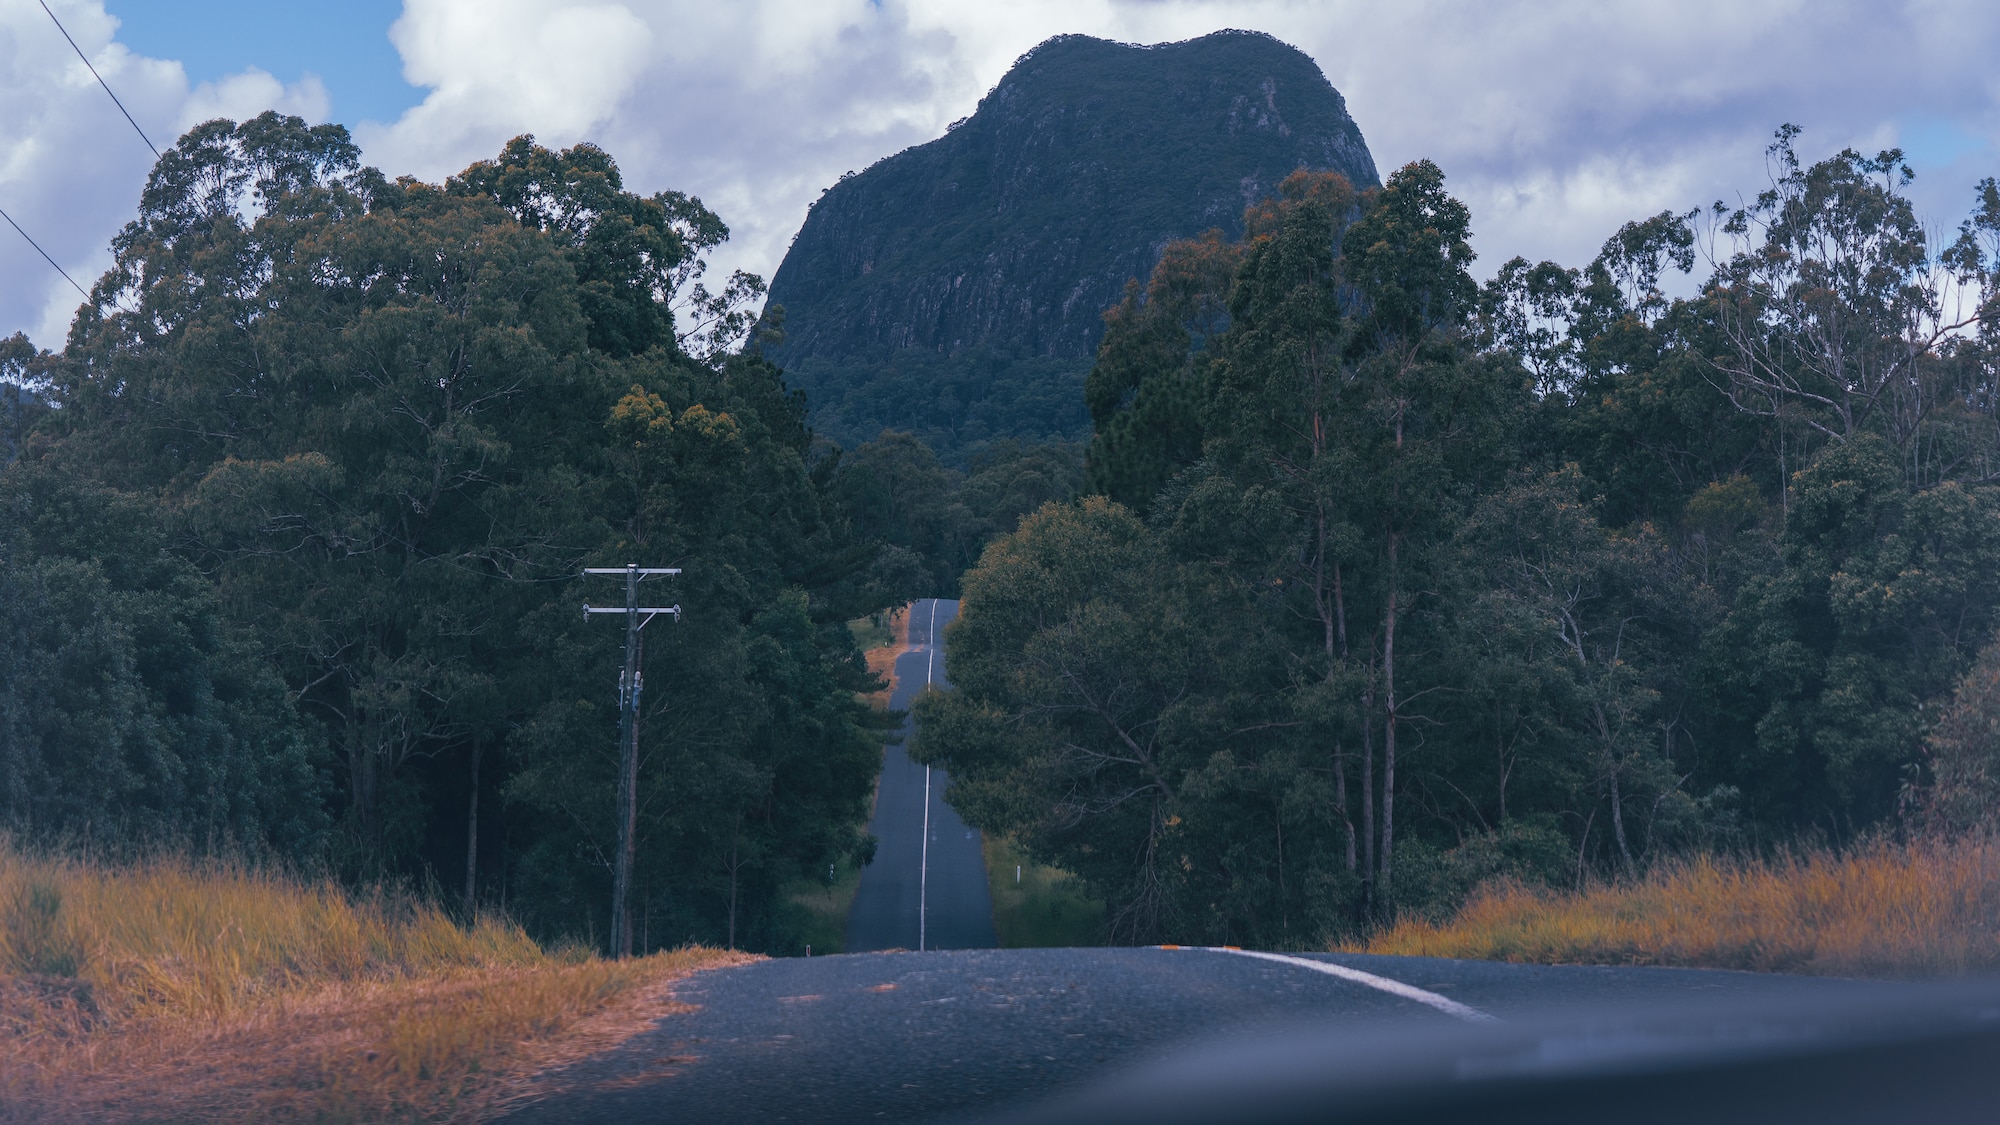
(912, 897)
(963, 1035)
(968, 1033)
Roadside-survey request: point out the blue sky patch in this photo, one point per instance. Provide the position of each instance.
(346, 44)
(1936, 142)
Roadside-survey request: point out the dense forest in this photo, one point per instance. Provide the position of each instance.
(1373, 583)
(291, 533)
(1391, 583)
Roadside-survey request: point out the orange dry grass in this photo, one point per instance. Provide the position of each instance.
(169, 990)
(1921, 909)
(882, 660)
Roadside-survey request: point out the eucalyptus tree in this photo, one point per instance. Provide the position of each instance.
(1146, 391)
(388, 422)
(1433, 420)
(1086, 668)
(1838, 310)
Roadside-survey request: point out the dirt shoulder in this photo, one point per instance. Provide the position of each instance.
(458, 1046)
(882, 657)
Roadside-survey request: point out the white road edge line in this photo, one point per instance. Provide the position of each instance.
(1443, 1004)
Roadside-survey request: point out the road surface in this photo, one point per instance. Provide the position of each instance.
(1034, 1034)
(913, 896)
(968, 1033)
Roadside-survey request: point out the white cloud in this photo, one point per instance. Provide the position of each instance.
(250, 93)
(497, 68)
(1556, 120)
(71, 167)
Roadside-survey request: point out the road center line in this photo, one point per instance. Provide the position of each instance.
(924, 863)
(1443, 1004)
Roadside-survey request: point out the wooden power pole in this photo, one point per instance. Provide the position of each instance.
(629, 685)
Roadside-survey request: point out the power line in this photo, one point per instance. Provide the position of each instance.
(107, 89)
(44, 254)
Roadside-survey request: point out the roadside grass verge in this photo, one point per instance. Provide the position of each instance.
(181, 991)
(823, 907)
(1896, 910)
(882, 637)
(878, 629)
(1041, 907)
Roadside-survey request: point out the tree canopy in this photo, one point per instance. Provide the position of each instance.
(1373, 583)
(1401, 582)
(294, 562)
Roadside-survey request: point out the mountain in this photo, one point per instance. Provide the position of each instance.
(956, 289)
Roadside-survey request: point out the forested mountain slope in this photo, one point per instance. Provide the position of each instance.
(957, 288)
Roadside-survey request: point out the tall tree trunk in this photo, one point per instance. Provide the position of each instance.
(1336, 650)
(1284, 904)
(1583, 845)
(1340, 800)
(1618, 825)
(1617, 800)
(735, 844)
(1389, 727)
(472, 834)
(361, 777)
(1389, 613)
(1368, 837)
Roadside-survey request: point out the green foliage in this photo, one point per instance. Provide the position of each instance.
(1959, 790)
(332, 453)
(960, 404)
(896, 492)
(1076, 644)
(1145, 393)
(131, 712)
(931, 521)
(819, 907)
(1882, 597)
(1391, 584)
(637, 260)
(1435, 881)
(1012, 479)
(1407, 257)
(20, 406)
(1037, 907)
(1439, 584)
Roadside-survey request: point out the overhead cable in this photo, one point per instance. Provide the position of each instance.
(44, 254)
(100, 82)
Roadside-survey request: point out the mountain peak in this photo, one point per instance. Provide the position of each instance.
(1003, 241)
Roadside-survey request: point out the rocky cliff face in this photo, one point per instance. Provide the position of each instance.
(1002, 242)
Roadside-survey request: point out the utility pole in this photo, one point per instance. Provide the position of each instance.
(629, 685)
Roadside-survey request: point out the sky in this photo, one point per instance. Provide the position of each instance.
(1555, 120)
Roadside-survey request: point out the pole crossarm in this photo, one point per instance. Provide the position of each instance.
(644, 612)
(641, 571)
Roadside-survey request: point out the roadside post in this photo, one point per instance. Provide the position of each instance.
(629, 685)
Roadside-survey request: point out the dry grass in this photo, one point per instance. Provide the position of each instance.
(174, 991)
(1924, 909)
(882, 656)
